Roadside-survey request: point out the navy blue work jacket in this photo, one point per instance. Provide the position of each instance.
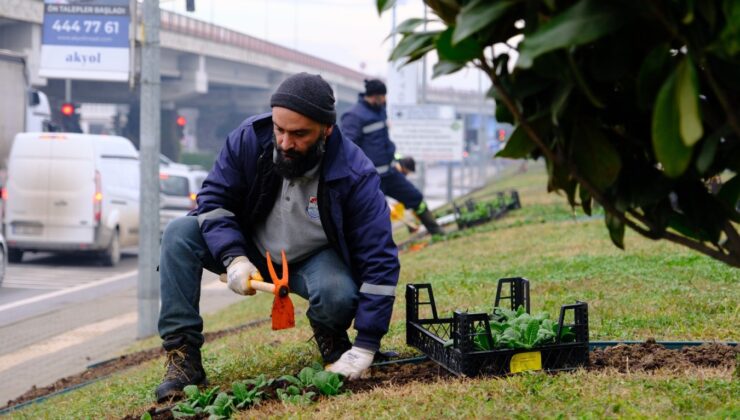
(367, 126)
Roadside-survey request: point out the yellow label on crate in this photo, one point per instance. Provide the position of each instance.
(522, 362)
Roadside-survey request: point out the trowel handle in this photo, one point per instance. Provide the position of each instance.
(262, 286)
(255, 282)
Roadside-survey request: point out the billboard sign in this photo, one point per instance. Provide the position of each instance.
(86, 39)
(429, 140)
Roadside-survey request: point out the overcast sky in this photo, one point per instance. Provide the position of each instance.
(347, 32)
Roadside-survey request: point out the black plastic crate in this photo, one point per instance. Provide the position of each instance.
(461, 358)
(504, 202)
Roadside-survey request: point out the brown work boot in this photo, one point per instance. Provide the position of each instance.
(331, 344)
(427, 218)
(184, 367)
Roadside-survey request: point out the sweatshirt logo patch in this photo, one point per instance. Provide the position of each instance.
(313, 207)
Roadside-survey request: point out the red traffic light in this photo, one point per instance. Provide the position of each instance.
(501, 134)
(181, 121)
(68, 109)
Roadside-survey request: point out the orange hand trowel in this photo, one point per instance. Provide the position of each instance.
(283, 314)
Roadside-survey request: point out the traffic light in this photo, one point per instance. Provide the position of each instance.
(190, 5)
(501, 134)
(180, 123)
(70, 118)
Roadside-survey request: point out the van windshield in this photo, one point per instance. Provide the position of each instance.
(174, 185)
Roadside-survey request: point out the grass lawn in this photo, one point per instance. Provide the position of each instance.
(653, 289)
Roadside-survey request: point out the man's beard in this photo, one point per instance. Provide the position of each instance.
(298, 164)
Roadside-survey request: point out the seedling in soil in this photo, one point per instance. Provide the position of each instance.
(244, 397)
(195, 403)
(221, 408)
(293, 395)
(302, 389)
(328, 383)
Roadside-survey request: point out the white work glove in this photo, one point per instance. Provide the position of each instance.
(353, 363)
(238, 274)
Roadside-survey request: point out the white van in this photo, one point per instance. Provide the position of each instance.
(178, 189)
(72, 192)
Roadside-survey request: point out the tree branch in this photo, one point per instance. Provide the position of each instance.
(728, 259)
(732, 238)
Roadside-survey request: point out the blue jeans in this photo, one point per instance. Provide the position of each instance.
(323, 279)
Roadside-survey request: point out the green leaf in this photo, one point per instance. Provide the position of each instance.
(146, 416)
(476, 15)
(530, 333)
(687, 96)
(729, 40)
(446, 67)
(689, 16)
(291, 379)
(383, 5)
(584, 22)
(191, 391)
(306, 376)
(407, 26)
(413, 43)
(462, 52)
(654, 69)
(597, 159)
(670, 151)
(585, 197)
(560, 179)
(709, 149)
(616, 229)
(519, 145)
(729, 193)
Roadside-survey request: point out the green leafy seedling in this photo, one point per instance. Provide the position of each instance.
(195, 403)
(328, 383)
(306, 376)
(221, 408)
(244, 397)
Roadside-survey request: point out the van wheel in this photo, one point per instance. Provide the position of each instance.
(112, 255)
(15, 255)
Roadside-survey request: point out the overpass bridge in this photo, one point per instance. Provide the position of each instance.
(212, 75)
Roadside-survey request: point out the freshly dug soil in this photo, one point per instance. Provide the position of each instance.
(651, 356)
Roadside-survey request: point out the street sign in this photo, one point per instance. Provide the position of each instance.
(428, 140)
(85, 39)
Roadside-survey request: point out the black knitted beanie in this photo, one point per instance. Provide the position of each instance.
(307, 94)
(375, 87)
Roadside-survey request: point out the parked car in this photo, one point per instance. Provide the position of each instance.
(178, 189)
(72, 192)
(3, 258)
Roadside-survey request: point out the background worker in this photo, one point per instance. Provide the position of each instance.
(366, 124)
(285, 180)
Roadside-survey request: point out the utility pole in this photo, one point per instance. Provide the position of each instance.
(148, 282)
(482, 134)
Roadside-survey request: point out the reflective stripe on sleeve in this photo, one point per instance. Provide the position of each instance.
(213, 214)
(376, 289)
(373, 127)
